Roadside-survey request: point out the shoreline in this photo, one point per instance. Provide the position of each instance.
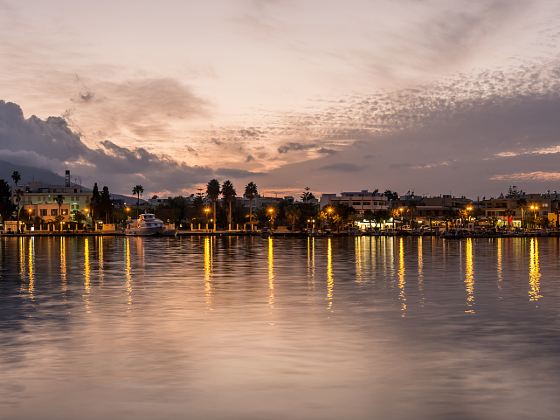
(463, 235)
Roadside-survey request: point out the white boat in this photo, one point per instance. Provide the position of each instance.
(146, 225)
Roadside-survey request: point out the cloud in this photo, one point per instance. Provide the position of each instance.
(551, 150)
(443, 138)
(528, 176)
(145, 109)
(50, 144)
(341, 167)
(292, 146)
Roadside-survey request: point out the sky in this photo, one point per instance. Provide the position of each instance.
(430, 96)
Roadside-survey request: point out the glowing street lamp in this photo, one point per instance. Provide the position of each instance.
(534, 208)
(270, 211)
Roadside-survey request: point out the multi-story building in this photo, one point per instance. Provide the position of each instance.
(359, 201)
(518, 210)
(39, 199)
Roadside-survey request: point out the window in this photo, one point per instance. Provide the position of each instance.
(43, 212)
(54, 212)
(64, 212)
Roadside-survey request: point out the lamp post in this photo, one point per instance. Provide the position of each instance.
(329, 211)
(271, 212)
(29, 212)
(534, 208)
(468, 210)
(206, 210)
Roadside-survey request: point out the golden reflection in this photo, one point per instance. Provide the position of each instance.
(31, 266)
(311, 261)
(208, 262)
(127, 269)
(87, 268)
(21, 250)
(469, 276)
(270, 271)
(534, 271)
(330, 276)
(499, 259)
(402, 278)
(373, 244)
(389, 247)
(421, 268)
(100, 257)
(358, 257)
(63, 272)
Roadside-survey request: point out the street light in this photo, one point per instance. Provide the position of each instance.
(534, 208)
(270, 212)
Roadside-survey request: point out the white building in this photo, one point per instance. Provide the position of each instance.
(40, 199)
(359, 201)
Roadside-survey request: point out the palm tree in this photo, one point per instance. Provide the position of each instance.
(16, 177)
(213, 193)
(59, 200)
(293, 214)
(229, 193)
(251, 192)
(138, 190)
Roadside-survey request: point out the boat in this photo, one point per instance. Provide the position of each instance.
(146, 225)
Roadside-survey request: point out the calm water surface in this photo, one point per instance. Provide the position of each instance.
(252, 328)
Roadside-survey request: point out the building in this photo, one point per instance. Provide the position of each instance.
(520, 210)
(40, 199)
(360, 201)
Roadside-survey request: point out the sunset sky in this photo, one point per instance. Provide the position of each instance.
(457, 97)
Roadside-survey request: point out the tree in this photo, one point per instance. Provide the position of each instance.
(105, 204)
(59, 199)
(229, 193)
(138, 190)
(6, 205)
(293, 213)
(391, 195)
(16, 177)
(213, 193)
(251, 192)
(522, 203)
(95, 201)
(307, 196)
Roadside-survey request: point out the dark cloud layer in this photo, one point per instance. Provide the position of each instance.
(50, 144)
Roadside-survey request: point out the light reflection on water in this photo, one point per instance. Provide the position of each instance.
(207, 327)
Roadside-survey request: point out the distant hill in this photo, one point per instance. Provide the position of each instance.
(28, 174)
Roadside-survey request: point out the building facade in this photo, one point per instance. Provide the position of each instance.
(361, 201)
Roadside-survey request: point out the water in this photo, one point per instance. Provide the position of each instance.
(252, 328)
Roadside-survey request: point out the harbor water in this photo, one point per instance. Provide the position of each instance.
(279, 328)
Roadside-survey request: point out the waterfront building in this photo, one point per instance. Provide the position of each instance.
(360, 201)
(39, 199)
(425, 210)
